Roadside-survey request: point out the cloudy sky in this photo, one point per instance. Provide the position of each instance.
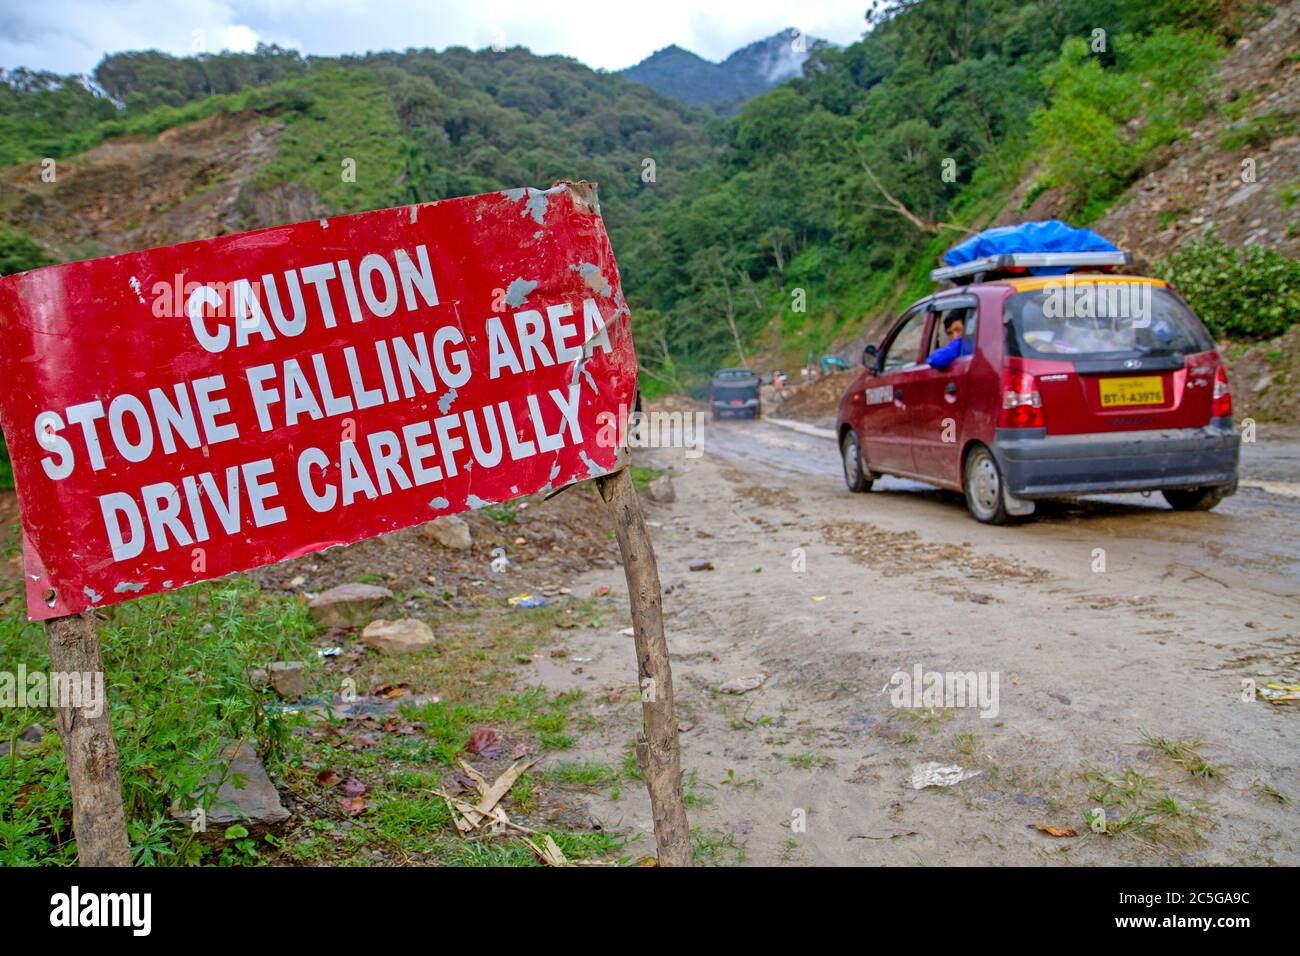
(70, 36)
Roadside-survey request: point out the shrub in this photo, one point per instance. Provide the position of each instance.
(1256, 132)
(18, 253)
(1248, 293)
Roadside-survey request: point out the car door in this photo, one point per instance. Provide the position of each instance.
(938, 398)
(886, 427)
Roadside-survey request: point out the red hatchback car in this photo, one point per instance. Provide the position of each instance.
(1077, 384)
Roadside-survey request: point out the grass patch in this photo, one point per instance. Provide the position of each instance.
(1270, 791)
(1187, 754)
(716, 848)
(642, 476)
(450, 724)
(810, 761)
(585, 774)
(1138, 806)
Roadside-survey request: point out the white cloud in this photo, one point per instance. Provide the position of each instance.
(72, 35)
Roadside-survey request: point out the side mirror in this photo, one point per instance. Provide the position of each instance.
(869, 358)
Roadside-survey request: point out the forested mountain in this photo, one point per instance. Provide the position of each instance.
(725, 87)
(788, 228)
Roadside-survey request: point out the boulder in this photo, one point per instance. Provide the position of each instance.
(450, 531)
(661, 490)
(398, 637)
(256, 804)
(348, 605)
(289, 678)
(28, 740)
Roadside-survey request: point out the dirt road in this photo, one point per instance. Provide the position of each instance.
(1118, 684)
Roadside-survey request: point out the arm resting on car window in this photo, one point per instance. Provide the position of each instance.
(942, 358)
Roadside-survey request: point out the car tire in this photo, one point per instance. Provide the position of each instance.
(982, 482)
(855, 472)
(1193, 499)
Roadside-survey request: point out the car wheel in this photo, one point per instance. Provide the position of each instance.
(855, 475)
(984, 492)
(1193, 499)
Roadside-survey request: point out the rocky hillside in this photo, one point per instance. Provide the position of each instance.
(1236, 172)
(176, 163)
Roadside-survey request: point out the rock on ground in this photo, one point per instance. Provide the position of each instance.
(450, 531)
(398, 637)
(256, 805)
(289, 678)
(347, 605)
(661, 490)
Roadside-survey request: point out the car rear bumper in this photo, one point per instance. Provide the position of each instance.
(1035, 464)
(727, 406)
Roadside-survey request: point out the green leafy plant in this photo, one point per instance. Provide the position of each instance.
(1104, 121)
(178, 680)
(1249, 293)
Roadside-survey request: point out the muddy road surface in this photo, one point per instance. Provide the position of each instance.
(1112, 641)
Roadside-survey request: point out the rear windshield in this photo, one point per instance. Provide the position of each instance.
(732, 375)
(1095, 319)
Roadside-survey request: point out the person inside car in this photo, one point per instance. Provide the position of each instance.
(954, 326)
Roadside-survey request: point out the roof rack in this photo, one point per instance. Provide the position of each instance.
(1028, 260)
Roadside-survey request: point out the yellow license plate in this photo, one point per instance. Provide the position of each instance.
(1142, 390)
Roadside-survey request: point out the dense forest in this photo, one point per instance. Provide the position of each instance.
(778, 231)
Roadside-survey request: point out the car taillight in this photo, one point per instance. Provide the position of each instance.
(1022, 406)
(1221, 407)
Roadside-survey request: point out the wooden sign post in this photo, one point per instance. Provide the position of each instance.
(89, 750)
(658, 752)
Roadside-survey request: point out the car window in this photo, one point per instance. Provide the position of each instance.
(904, 347)
(1082, 319)
(938, 335)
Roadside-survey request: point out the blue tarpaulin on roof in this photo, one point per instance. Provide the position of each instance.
(1051, 235)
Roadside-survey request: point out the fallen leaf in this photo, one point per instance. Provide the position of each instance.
(355, 805)
(463, 782)
(327, 778)
(501, 787)
(354, 787)
(549, 853)
(1056, 831)
(485, 743)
